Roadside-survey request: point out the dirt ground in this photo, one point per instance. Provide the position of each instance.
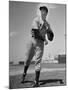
(47, 78)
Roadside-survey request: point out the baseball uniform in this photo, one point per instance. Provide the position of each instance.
(38, 36)
(37, 44)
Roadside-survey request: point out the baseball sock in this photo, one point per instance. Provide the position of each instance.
(24, 73)
(25, 69)
(37, 76)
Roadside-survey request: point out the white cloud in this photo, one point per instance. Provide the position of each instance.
(11, 34)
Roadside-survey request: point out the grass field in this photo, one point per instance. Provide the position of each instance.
(51, 75)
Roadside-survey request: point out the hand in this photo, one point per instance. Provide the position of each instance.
(46, 42)
(46, 24)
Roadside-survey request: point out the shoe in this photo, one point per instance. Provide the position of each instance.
(61, 82)
(36, 84)
(23, 77)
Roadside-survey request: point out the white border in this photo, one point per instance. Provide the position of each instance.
(4, 43)
(46, 1)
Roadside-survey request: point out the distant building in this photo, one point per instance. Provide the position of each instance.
(21, 62)
(56, 57)
(50, 61)
(16, 63)
(11, 63)
(61, 58)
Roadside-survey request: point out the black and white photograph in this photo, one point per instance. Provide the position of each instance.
(37, 44)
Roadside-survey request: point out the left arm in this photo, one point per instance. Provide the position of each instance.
(50, 34)
(48, 31)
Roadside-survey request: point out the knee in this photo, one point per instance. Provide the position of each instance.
(38, 67)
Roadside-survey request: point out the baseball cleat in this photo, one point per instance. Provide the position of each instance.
(36, 84)
(23, 77)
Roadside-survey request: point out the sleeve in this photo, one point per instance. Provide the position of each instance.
(35, 23)
(34, 28)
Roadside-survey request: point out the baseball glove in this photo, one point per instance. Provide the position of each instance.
(50, 35)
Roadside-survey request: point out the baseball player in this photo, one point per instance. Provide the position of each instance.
(40, 28)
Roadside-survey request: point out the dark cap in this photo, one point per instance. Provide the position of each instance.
(44, 8)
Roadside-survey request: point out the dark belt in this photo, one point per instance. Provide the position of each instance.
(36, 34)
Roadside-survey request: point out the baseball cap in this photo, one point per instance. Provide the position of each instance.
(44, 8)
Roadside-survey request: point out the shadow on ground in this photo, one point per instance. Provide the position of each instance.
(41, 82)
(47, 79)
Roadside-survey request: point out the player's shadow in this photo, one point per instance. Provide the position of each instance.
(42, 82)
(27, 82)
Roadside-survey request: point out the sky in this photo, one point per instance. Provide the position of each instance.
(21, 15)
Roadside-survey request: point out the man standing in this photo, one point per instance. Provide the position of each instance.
(40, 28)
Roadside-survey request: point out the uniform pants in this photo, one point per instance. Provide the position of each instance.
(35, 49)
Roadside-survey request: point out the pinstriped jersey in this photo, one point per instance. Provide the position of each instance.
(38, 24)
